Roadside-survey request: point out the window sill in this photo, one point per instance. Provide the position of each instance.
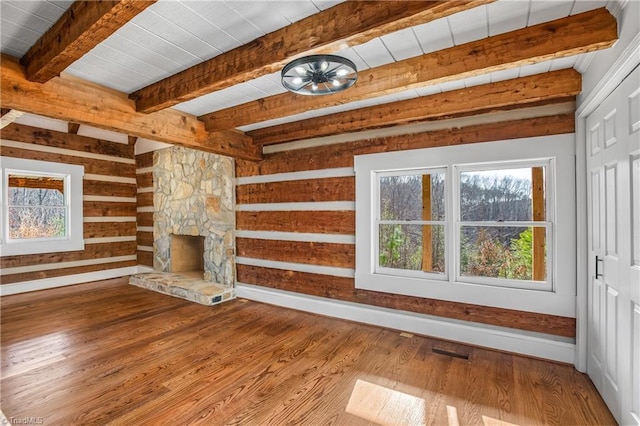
(530, 300)
(36, 247)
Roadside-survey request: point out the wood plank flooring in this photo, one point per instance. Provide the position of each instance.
(111, 353)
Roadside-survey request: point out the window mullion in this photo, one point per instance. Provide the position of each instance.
(411, 222)
(510, 224)
(452, 233)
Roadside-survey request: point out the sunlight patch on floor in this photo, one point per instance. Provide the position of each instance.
(452, 417)
(55, 344)
(490, 421)
(385, 406)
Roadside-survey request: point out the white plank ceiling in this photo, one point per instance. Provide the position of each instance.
(173, 35)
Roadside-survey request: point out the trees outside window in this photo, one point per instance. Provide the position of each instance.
(412, 221)
(502, 223)
(499, 215)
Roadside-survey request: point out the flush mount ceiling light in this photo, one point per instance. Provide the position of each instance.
(319, 75)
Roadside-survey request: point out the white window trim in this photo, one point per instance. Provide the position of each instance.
(73, 176)
(559, 301)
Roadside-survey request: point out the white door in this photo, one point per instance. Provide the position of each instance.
(613, 164)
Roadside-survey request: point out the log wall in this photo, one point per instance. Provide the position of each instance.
(144, 212)
(296, 222)
(109, 201)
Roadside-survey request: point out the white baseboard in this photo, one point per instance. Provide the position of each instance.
(522, 342)
(45, 283)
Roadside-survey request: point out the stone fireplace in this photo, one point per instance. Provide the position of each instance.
(193, 220)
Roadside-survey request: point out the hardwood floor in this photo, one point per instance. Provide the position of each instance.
(109, 352)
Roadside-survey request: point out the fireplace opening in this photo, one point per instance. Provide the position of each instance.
(187, 255)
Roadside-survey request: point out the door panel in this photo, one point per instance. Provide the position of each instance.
(595, 334)
(595, 139)
(635, 210)
(611, 327)
(611, 222)
(609, 128)
(596, 204)
(634, 111)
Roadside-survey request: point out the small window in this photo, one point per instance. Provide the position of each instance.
(37, 207)
(411, 223)
(41, 207)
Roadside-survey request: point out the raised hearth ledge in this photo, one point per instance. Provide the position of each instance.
(184, 287)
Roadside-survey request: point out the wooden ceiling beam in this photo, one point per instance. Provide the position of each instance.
(514, 93)
(344, 25)
(569, 36)
(81, 28)
(71, 99)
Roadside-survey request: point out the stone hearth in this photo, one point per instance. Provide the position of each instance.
(184, 286)
(193, 196)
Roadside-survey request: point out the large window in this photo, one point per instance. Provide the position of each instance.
(480, 224)
(41, 207)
